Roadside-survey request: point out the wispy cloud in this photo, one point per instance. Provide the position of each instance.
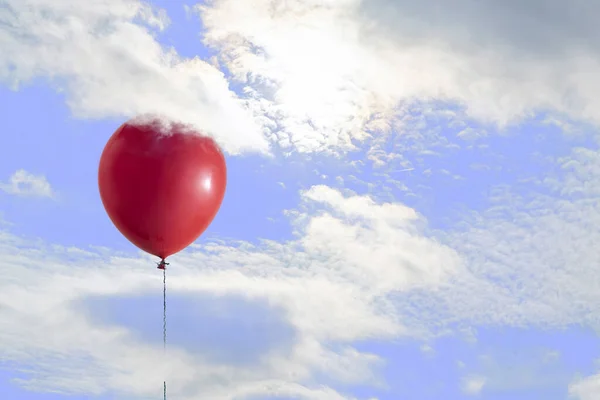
(472, 385)
(23, 183)
(352, 265)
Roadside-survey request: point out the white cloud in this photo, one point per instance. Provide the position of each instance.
(427, 350)
(316, 75)
(105, 57)
(531, 261)
(585, 389)
(472, 385)
(46, 284)
(532, 256)
(23, 183)
(327, 74)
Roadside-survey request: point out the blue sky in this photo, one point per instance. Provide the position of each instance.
(403, 220)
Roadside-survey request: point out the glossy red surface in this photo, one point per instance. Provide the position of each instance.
(161, 188)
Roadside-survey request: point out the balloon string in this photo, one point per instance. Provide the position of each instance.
(165, 326)
(163, 265)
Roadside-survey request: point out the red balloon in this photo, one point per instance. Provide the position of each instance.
(161, 185)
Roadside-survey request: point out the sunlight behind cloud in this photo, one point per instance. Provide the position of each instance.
(326, 76)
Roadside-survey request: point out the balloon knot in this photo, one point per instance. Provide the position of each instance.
(162, 264)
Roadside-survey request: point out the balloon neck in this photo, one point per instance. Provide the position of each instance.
(162, 264)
